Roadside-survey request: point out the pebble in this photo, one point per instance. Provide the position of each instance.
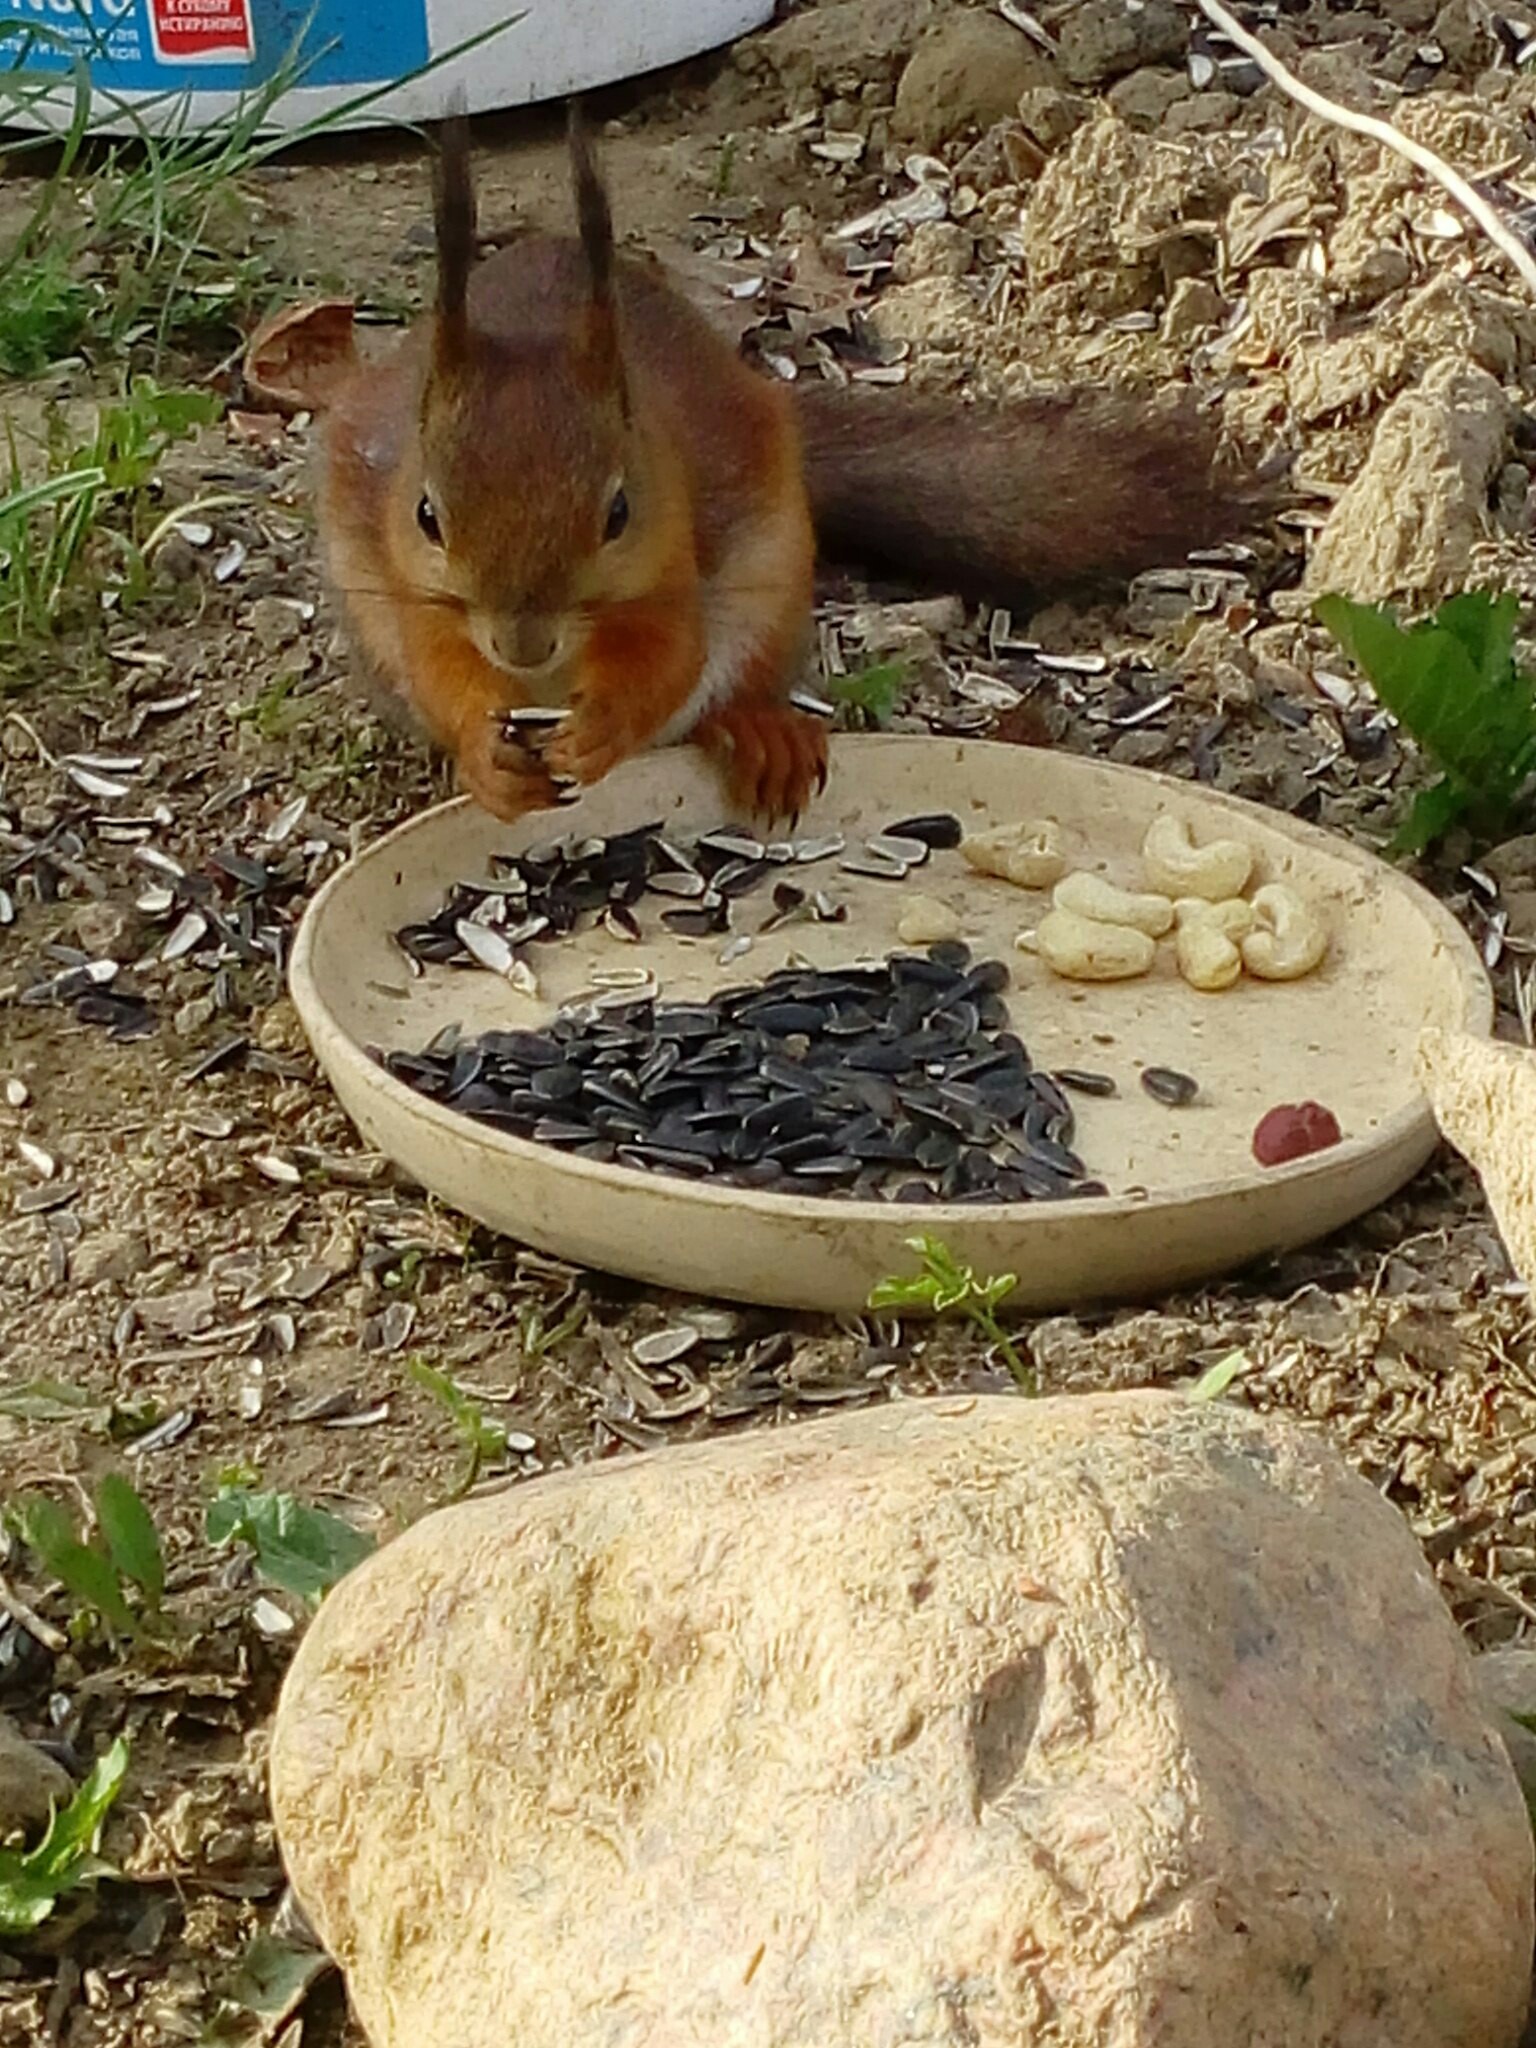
(116, 1255)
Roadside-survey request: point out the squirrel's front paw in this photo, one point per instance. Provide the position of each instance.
(772, 757)
(501, 774)
(584, 750)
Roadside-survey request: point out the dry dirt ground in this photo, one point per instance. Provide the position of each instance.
(214, 1257)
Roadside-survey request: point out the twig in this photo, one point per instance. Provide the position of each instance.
(26, 1617)
(1383, 132)
(49, 760)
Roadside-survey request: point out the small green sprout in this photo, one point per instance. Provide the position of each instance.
(942, 1286)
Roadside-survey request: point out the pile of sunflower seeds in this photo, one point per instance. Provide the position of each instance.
(554, 888)
(895, 1080)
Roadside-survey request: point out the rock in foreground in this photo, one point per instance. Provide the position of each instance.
(1483, 1094)
(1119, 1721)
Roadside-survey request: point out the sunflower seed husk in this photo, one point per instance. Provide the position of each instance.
(1168, 1086)
(882, 866)
(664, 1347)
(105, 788)
(42, 1163)
(824, 848)
(687, 883)
(893, 846)
(190, 931)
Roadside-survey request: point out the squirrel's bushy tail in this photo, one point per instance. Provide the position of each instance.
(1016, 501)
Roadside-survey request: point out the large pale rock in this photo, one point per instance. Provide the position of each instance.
(1506, 1680)
(1483, 1094)
(1407, 525)
(1096, 1723)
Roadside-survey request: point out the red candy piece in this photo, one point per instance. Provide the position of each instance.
(1292, 1131)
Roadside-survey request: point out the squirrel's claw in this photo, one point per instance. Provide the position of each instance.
(771, 756)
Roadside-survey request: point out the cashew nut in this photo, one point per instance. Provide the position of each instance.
(1208, 959)
(1092, 897)
(1079, 949)
(924, 920)
(1028, 855)
(1233, 918)
(1175, 866)
(1287, 940)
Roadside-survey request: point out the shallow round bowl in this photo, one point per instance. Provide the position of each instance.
(1187, 1200)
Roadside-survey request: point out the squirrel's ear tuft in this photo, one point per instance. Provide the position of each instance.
(454, 215)
(598, 340)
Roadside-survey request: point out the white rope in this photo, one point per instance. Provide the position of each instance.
(1383, 132)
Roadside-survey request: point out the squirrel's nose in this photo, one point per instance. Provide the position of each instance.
(529, 640)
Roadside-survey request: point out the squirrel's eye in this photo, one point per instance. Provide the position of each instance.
(618, 515)
(426, 519)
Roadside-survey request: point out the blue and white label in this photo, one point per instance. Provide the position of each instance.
(235, 45)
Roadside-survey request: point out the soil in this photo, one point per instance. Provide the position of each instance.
(216, 1278)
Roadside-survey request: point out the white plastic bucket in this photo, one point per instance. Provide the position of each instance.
(191, 62)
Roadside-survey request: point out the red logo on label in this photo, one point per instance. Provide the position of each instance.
(201, 31)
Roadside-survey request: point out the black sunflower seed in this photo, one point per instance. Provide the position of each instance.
(936, 829)
(1082, 1082)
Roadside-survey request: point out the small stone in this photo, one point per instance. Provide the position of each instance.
(31, 1782)
(1202, 113)
(194, 1016)
(101, 929)
(181, 1314)
(1103, 39)
(938, 248)
(1194, 308)
(968, 72)
(108, 1255)
(278, 1029)
(1052, 116)
(1146, 97)
(1215, 666)
(275, 623)
(1065, 1609)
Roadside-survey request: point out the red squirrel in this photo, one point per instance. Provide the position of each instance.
(566, 489)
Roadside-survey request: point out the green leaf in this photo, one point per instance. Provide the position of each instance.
(1216, 1379)
(1452, 682)
(996, 1289)
(274, 1976)
(1526, 1721)
(130, 1536)
(301, 1549)
(896, 1293)
(45, 1401)
(91, 1578)
(875, 691)
(32, 1881)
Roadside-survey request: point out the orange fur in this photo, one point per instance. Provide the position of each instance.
(566, 488)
